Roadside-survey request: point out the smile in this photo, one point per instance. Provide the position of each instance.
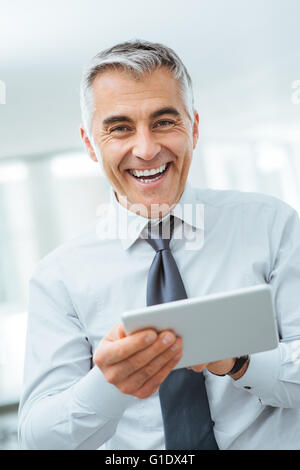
(151, 175)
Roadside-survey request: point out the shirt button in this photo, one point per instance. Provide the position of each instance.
(247, 387)
(213, 423)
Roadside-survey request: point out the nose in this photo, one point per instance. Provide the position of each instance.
(145, 145)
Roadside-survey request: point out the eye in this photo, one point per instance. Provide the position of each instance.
(120, 129)
(164, 123)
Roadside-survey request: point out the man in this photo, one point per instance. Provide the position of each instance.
(87, 385)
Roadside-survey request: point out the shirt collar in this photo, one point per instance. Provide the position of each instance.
(130, 225)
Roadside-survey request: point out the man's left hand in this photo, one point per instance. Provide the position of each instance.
(221, 367)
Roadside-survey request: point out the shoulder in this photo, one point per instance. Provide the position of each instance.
(218, 198)
(68, 254)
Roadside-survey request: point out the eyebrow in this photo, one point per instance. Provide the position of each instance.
(123, 118)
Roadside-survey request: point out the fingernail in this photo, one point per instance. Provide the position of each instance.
(150, 337)
(174, 347)
(168, 338)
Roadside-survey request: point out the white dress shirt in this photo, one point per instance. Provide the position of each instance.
(78, 292)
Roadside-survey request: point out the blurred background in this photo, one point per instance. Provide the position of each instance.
(243, 57)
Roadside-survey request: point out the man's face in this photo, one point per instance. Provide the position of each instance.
(141, 125)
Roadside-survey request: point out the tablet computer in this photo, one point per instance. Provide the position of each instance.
(215, 326)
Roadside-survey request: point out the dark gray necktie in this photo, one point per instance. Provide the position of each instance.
(183, 397)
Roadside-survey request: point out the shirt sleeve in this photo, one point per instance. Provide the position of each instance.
(66, 402)
(274, 376)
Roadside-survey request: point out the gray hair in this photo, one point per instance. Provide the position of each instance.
(138, 58)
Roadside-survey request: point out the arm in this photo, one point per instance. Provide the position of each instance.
(274, 376)
(66, 403)
(69, 403)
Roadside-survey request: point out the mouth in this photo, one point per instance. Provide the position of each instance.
(151, 176)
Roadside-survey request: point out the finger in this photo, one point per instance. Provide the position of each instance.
(154, 374)
(152, 385)
(117, 332)
(114, 351)
(143, 365)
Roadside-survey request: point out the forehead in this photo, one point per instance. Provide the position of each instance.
(115, 90)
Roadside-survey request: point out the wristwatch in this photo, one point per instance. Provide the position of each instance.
(239, 362)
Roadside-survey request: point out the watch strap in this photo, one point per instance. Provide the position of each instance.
(239, 362)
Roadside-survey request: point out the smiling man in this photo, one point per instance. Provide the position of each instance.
(86, 384)
(144, 134)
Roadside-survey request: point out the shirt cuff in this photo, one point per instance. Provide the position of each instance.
(261, 374)
(95, 392)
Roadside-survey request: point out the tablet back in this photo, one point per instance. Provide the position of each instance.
(216, 326)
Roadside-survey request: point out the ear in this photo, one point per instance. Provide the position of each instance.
(195, 129)
(87, 143)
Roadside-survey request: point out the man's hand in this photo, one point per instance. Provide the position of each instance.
(139, 363)
(221, 367)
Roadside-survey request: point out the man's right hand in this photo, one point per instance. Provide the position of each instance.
(137, 364)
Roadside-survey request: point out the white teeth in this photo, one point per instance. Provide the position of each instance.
(153, 171)
(150, 181)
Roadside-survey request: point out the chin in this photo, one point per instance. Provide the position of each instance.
(159, 207)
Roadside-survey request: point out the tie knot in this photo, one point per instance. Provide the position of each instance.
(160, 239)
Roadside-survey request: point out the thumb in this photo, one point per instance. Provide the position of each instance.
(121, 331)
(117, 332)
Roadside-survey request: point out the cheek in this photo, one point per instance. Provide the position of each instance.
(111, 157)
(183, 154)
(180, 145)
